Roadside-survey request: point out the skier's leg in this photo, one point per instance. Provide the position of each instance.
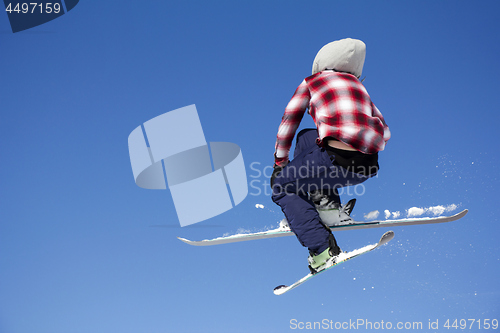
(323, 196)
(304, 173)
(352, 168)
(303, 219)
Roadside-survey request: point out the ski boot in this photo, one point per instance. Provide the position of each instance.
(336, 214)
(318, 262)
(330, 212)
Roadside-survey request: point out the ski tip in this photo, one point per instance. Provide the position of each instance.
(388, 236)
(280, 289)
(456, 216)
(195, 243)
(187, 241)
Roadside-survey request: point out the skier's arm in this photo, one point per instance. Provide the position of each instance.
(378, 114)
(290, 122)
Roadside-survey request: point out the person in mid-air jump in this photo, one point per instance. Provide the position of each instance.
(341, 151)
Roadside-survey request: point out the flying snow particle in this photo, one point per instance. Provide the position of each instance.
(394, 215)
(259, 206)
(415, 211)
(372, 215)
(451, 207)
(436, 210)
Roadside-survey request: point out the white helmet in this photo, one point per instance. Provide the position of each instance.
(345, 55)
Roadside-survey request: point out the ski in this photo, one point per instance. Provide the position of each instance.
(284, 229)
(342, 257)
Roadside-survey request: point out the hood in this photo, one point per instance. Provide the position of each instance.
(345, 55)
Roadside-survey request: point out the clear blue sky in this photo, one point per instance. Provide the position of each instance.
(83, 249)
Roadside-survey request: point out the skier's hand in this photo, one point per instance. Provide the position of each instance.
(277, 170)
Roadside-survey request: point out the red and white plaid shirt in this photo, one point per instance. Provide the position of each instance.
(340, 107)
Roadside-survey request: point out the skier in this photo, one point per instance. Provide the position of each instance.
(341, 151)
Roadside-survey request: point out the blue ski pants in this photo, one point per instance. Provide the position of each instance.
(311, 169)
